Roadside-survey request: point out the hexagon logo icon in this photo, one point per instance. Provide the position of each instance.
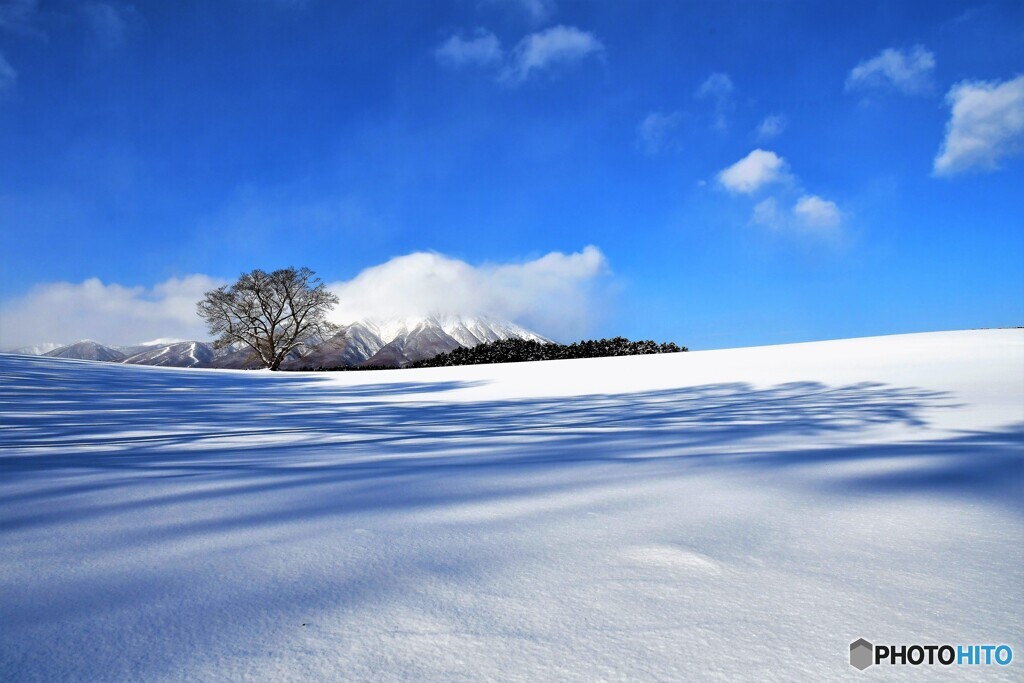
(861, 654)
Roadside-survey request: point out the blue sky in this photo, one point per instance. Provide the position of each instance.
(747, 172)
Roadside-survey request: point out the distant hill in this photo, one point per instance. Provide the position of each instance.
(87, 350)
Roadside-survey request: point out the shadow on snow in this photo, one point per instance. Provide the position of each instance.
(94, 428)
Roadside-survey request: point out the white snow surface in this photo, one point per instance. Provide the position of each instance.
(720, 515)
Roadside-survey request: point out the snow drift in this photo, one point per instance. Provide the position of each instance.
(739, 514)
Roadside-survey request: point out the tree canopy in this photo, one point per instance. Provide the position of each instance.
(271, 313)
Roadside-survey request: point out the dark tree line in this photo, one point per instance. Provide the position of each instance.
(520, 350)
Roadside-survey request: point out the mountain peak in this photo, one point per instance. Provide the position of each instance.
(401, 340)
(467, 330)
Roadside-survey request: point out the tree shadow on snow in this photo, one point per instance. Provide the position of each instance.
(74, 431)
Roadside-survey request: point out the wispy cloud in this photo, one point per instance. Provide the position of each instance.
(719, 89)
(907, 71)
(8, 75)
(810, 214)
(655, 132)
(557, 294)
(110, 22)
(536, 11)
(717, 86)
(986, 125)
(753, 172)
(771, 127)
(482, 48)
(547, 49)
(768, 214)
(18, 16)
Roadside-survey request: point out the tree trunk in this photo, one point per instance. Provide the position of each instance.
(276, 365)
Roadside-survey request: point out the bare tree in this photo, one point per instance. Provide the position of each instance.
(271, 313)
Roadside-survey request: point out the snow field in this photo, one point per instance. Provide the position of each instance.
(720, 515)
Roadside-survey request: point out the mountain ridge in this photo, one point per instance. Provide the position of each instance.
(371, 342)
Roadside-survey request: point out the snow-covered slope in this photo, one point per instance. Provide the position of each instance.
(351, 346)
(188, 354)
(425, 339)
(719, 515)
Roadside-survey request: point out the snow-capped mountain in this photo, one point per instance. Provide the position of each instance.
(178, 355)
(401, 341)
(467, 330)
(425, 339)
(87, 349)
(373, 342)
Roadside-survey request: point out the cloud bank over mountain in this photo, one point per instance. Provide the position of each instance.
(557, 294)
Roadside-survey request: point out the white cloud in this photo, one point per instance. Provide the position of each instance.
(986, 126)
(809, 213)
(8, 76)
(817, 213)
(907, 71)
(754, 171)
(552, 47)
(110, 313)
(655, 132)
(772, 127)
(557, 295)
(481, 49)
